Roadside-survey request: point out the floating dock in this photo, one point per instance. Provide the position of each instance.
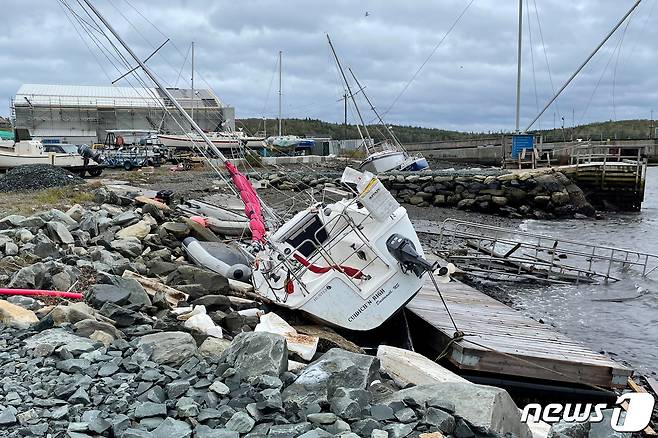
(500, 340)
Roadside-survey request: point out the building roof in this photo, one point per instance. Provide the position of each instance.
(102, 96)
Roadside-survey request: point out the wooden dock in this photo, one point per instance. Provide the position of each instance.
(508, 343)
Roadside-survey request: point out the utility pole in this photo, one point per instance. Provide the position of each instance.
(280, 70)
(518, 69)
(652, 132)
(193, 97)
(345, 117)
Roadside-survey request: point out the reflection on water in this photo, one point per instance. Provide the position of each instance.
(628, 329)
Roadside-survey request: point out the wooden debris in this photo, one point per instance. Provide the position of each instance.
(173, 296)
(637, 388)
(157, 204)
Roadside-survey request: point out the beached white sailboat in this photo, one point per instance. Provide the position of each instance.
(352, 264)
(25, 150)
(387, 155)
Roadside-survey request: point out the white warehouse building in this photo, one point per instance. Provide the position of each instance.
(83, 114)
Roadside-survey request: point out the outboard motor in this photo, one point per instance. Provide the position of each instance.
(89, 153)
(404, 251)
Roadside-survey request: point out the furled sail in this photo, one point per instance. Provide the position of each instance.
(251, 202)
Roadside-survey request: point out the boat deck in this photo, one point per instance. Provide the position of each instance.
(502, 341)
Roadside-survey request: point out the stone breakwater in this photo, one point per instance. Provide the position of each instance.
(543, 194)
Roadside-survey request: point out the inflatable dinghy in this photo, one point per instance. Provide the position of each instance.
(219, 257)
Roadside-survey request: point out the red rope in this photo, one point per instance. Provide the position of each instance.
(347, 270)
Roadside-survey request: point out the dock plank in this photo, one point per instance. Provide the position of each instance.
(509, 342)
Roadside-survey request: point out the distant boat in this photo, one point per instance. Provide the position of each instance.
(221, 140)
(288, 143)
(387, 155)
(25, 150)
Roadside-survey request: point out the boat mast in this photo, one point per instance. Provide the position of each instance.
(193, 100)
(157, 83)
(518, 69)
(374, 110)
(280, 70)
(349, 90)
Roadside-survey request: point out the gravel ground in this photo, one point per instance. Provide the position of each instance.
(37, 177)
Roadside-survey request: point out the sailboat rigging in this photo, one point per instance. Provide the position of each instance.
(387, 155)
(353, 263)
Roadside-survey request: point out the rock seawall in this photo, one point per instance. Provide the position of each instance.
(544, 194)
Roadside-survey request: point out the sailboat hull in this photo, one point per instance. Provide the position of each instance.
(184, 141)
(415, 164)
(383, 161)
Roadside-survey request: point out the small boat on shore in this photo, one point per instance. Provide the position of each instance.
(24, 151)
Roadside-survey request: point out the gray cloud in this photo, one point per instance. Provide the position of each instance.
(469, 83)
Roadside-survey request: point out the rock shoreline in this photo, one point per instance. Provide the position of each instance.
(545, 194)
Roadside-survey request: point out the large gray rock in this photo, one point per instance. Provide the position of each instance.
(48, 340)
(336, 368)
(603, 429)
(563, 429)
(29, 277)
(136, 293)
(485, 407)
(256, 353)
(127, 247)
(171, 428)
(169, 348)
(59, 232)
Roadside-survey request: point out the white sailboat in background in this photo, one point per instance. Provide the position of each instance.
(387, 155)
(353, 263)
(232, 143)
(288, 144)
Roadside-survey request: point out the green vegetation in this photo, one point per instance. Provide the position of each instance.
(338, 131)
(622, 129)
(610, 130)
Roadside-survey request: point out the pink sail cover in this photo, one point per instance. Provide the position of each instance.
(250, 201)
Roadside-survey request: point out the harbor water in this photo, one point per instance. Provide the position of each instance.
(626, 329)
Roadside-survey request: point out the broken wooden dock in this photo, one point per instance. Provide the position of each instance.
(500, 340)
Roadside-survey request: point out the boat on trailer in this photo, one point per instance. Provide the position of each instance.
(353, 263)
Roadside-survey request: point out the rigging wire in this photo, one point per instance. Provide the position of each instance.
(614, 74)
(436, 47)
(532, 57)
(598, 83)
(548, 65)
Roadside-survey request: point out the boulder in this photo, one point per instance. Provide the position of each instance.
(108, 293)
(169, 348)
(252, 354)
(15, 316)
(29, 277)
(213, 347)
(45, 342)
(171, 428)
(139, 230)
(130, 247)
(485, 407)
(59, 232)
(336, 368)
(75, 212)
(407, 367)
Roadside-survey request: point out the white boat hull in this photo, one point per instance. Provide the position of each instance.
(383, 161)
(187, 142)
(335, 298)
(9, 160)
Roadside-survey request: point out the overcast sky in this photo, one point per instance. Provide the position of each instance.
(468, 84)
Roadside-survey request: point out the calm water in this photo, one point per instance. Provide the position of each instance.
(627, 330)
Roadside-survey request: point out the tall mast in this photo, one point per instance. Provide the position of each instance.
(157, 83)
(280, 70)
(349, 90)
(193, 97)
(518, 69)
(374, 110)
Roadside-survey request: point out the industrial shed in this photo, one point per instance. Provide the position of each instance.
(83, 114)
